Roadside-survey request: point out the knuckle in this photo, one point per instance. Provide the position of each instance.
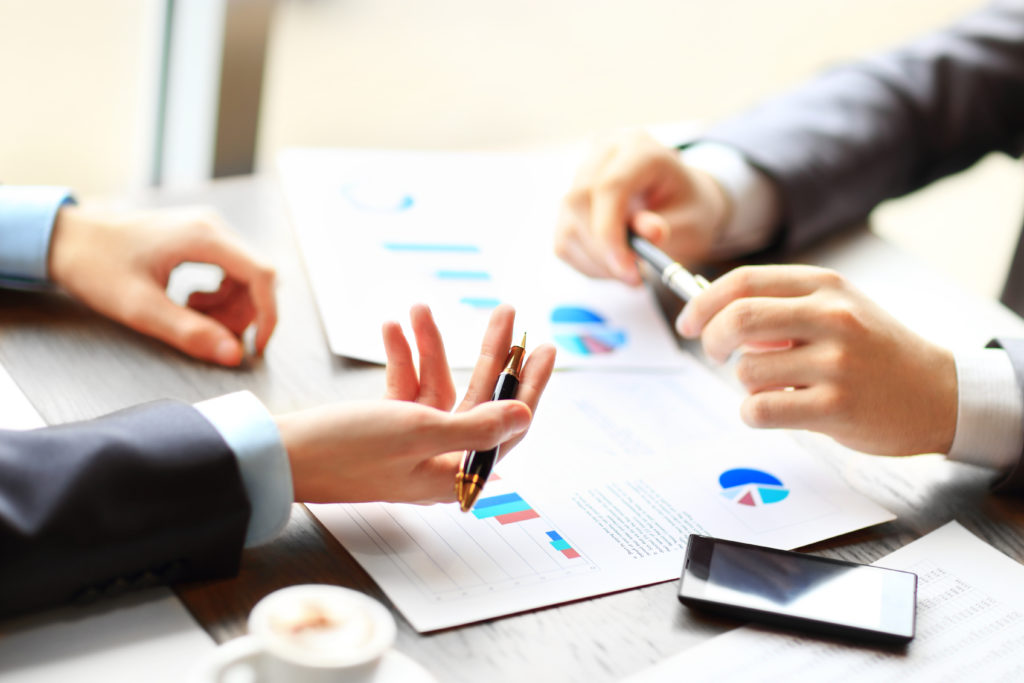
(834, 402)
(741, 318)
(842, 316)
(830, 279)
(748, 370)
(611, 182)
(741, 280)
(758, 412)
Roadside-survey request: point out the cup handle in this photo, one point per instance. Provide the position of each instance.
(242, 651)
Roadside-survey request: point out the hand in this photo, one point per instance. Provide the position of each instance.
(635, 181)
(817, 354)
(408, 448)
(119, 266)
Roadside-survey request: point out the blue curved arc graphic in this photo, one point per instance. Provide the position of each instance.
(742, 475)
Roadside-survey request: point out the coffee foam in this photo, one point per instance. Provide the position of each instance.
(323, 625)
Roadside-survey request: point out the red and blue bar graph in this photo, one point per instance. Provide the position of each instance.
(562, 545)
(507, 508)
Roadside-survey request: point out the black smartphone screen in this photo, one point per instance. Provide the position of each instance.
(818, 594)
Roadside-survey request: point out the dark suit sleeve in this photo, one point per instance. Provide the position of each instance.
(890, 124)
(1012, 481)
(147, 495)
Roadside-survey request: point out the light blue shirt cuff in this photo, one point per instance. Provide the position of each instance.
(27, 213)
(252, 435)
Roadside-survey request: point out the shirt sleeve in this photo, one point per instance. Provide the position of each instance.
(252, 435)
(990, 410)
(27, 214)
(755, 204)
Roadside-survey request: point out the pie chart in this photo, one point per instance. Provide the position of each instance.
(752, 487)
(584, 332)
(367, 196)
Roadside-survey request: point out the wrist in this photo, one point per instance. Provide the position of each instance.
(715, 200)
(942, 408)
(63, 253)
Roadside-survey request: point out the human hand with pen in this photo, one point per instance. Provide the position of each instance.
(631, 181)
(815, 353)
(408, 447)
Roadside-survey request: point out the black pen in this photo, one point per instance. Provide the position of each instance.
(477, 465)
(682, 282)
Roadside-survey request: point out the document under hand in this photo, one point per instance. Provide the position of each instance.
(382, 230)
(616, 472)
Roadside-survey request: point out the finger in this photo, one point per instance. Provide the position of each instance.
(579, 256)
(233, 308)
(799, 367)
(479, 428)
(399, 373)
(534, 378)
(493, 353)
(610, 204)
(751, 281)
(436, 386)
(756, 321)
(219, 248)
(809, 408)
(572, 247)
(651, 226)
(205, 300)
(150, 312)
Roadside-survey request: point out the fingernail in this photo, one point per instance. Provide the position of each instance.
(228, 352)
(684, 326)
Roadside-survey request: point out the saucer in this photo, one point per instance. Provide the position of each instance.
(394, 667)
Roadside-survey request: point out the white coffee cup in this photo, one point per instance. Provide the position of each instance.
(307, 634)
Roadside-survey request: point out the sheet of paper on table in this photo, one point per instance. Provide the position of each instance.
(382, 230)
(970, 627)
(617, 470)
(147, 636)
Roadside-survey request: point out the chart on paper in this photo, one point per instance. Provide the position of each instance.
(503, 543)
(380, 230)
(599, 498)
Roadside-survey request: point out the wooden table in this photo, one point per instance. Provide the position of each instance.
(74, 365)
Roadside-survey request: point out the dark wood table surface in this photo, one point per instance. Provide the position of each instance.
(73, 365)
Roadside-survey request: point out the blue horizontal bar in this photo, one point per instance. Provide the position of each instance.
(554, 536)
(560, 545)
(498, 510)
(432, 247)
(497, 500)
(463, 275)
(480, 302)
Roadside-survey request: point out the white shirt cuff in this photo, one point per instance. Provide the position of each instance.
(252, 435)
(990, 410)
(755, 203)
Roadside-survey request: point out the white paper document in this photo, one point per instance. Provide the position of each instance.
(970, 627)
(382, 230)
(147, 636)
(616, 471)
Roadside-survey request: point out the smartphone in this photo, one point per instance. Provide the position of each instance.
(816, 594)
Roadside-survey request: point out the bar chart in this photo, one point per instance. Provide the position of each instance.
(447, 554)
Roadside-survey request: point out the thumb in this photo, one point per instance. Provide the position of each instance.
(651, 226)
(483, 426)
(188, 331)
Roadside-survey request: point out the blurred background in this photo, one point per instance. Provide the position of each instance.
(113, 96)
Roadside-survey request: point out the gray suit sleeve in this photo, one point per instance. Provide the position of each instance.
(890, 124)
(143, 496)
